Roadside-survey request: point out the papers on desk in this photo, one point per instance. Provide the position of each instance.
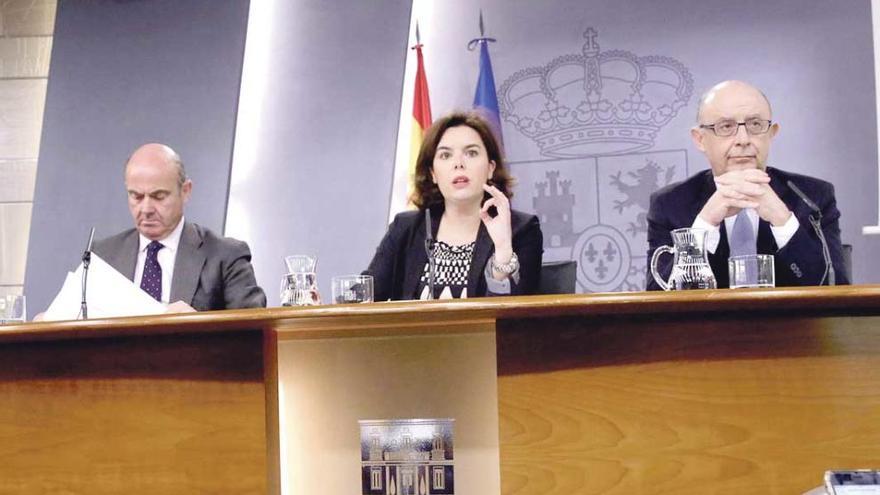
(109, 294)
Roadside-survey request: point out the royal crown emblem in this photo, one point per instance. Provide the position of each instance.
(596, 103)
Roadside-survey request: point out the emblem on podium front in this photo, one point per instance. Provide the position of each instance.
(407, 457)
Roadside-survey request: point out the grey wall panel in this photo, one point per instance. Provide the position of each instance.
(25, 57)
(124, 73)
(320, 172)
(18, 177)
(21, 107)
(27, 17)
(813, 59)
(14, 218)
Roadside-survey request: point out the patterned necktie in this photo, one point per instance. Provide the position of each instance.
(742, 237)
(151, 282)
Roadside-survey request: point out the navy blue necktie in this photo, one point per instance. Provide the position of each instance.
(151, 282)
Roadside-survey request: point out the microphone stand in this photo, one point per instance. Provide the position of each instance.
(86, 261)
(429, 250)
(816, 221)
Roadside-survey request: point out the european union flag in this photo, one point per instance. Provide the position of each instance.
(485, 99)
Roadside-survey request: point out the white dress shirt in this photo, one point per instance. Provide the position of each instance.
(781, 234)
(166, 257)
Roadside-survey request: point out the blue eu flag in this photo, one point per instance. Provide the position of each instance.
(485, 99)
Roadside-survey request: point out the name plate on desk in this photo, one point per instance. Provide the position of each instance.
(856, 482)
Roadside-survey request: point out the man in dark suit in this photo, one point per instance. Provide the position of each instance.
(176, 261)
(741, 198)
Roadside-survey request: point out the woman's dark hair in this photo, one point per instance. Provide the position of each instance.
(426, 194)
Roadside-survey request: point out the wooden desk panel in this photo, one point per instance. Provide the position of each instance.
(693, 404)
(141, 414)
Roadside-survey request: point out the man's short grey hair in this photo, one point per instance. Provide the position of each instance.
(173, 158)
(181, 170)
(705, 97)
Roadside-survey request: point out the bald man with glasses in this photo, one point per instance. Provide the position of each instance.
(744, 205)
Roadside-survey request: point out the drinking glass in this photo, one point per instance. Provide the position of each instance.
(13, 309)
(349, 289)
(299, 286)
(299, 289)
(751, 270)
(300, 263)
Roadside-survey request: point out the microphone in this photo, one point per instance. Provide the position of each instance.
(86, 261)
(806, 199)
(816, 222)
(429, 250)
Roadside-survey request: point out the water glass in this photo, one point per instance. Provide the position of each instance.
(350, 289)
(299, 289)
(299, 286)
(751, 271)
(13, 309)
(300, 263)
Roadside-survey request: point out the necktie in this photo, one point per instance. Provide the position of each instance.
(742, 237)
(151, 282)
(743, 242)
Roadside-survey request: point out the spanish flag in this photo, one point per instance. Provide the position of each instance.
(421, 110)
(414, 122)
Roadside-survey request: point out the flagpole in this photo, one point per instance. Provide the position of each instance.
(472, 44)
(485, 96)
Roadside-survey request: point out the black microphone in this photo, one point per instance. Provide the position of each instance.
(806, 199)
(429, 250)
(816, 222)
(86, 261)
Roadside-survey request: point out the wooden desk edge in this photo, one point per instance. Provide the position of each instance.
(829, 300)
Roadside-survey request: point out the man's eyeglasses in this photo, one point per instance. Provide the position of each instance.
(728, 127)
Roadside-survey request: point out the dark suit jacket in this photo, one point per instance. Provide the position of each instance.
(800, 262)
(400, 258)
(210, 272)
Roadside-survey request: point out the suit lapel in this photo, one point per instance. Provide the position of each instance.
(415, 264)
(766, 241)
(706, 191)
(483, 248)
(121, 254)
(718, 259)
(187, 265)
(126, 262)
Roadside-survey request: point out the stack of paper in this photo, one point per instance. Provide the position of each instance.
(109, 294)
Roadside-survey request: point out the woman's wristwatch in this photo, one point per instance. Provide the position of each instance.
(506, 268)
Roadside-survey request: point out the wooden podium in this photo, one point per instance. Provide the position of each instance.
(723, 392)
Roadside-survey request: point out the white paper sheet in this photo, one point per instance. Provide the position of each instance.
(109, 294)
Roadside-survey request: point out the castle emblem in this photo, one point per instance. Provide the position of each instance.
(595, 103)
(407, 457)
(556, 209)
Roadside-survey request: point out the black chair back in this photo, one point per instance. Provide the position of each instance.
(558, 277)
